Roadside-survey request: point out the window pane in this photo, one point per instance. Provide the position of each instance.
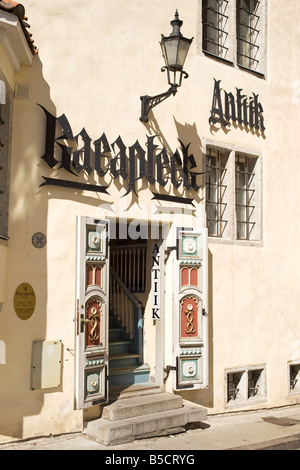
(244, 199)
(215, 27)
(247, 33)
(216, 191)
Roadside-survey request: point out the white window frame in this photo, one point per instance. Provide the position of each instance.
(230, 234)
(245, 195)
(6, 112)
(231, 31)
(13, 41)
(216, 33)
(217, 190)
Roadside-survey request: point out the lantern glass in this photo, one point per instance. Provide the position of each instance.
(170, 52)
(183, 49)
(175, 50)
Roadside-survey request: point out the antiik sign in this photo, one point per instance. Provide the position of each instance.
(239, 108)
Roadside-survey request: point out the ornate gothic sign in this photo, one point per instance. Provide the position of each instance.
(80, 154)
(239, 108)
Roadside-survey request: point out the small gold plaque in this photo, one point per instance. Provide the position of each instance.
(24, 301)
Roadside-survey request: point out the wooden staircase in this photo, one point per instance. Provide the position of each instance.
(125, 364)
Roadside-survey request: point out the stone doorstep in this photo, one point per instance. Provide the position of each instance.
(120, 392)
(156, 424)
(141, 405)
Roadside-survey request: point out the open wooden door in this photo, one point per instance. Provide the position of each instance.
(92, 312)
(191, 308)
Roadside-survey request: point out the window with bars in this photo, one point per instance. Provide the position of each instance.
(294, 377)
(245, 191)
(246, 385)
(254, 382)
(235, 31)
(233, 193)
(234, 386)
(215, 27)
(247, 25)
(215, 191)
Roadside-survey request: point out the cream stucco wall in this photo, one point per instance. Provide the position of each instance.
(95, 61)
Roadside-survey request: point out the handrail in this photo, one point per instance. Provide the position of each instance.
(131, 319)
(129, 262)
(126, 291)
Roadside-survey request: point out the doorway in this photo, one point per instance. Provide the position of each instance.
(118, 343)
(128, 293)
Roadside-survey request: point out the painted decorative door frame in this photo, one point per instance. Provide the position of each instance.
(92, 312)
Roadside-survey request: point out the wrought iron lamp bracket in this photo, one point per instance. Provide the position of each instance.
(174, 49)
(149, 102)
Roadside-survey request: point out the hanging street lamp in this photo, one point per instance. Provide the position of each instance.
(175, 49)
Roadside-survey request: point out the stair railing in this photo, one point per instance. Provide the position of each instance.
(130, 264)
(128, 309)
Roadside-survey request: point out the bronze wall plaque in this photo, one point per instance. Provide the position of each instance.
(24, 301)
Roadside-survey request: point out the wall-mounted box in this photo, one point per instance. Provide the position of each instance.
(46, 367)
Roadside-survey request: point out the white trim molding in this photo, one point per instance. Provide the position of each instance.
(13, 41)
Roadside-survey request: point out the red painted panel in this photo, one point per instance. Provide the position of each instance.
(184, 276)
(194, 276)
(98, 276)
(89, 275)
(189, 317)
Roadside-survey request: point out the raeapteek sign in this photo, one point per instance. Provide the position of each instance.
(79, 153)
(239, 108)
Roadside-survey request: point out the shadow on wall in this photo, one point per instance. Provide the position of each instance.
(188, 134)
(152, 165)
(190, 156)
(26, 259)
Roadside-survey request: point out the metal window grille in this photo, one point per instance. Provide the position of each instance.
(215, 27)
(215, 191)
(253, 382)
(247, 33)
(233, 382)
(245, 191)
(294, 376)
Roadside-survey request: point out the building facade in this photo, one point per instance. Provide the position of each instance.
(174, 225)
